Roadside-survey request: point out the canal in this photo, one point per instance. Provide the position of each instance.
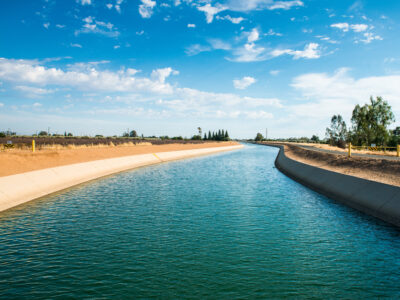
(225, 226)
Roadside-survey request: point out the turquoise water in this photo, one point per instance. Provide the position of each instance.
(226, 226)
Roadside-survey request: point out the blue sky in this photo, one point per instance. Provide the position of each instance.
(166, 67)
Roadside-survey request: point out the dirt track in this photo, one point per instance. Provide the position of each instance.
(376, 169)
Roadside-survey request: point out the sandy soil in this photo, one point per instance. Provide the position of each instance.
(15, 161)
(375, 169)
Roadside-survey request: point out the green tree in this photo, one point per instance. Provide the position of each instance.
(205, 136)
(133, 133)
(209, 135)
(43, 133)
(370, 122)
(315, 138)
(337, 132)
(259, 137)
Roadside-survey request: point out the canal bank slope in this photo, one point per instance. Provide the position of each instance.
(20, 188)
(374, 198)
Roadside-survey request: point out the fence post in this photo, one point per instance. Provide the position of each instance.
(349, 149)
(398, 150)
(33, 145)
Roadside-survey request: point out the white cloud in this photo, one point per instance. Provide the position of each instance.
(369, 37)
(191, 25)
(84, 2)
(310, 52)
(237, 20)
(60, 26)
(46, 25)
(146, 8)
(109, 6)
(196, 49)
(271, 32)
(90, 25)
(76, 45)
(249, 53)
(37, 104)
(339, 93)
(249, 5)
(342, 26)
(84, 77)
(359, 27)
(285, 4)
(253, 36)
(243, 83)
(211, 11)
(214, 44)
(345, 27)
(1, 104)
(160, 75)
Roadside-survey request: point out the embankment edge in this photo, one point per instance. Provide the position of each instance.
(373, 198)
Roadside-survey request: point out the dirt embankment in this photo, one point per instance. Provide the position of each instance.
(15, 161)
(376, 169)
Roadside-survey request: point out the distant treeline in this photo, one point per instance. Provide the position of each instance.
(220, 135)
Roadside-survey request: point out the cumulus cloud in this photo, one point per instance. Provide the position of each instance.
(84, 77)
(250, 52)
(243, 83)
(191, 25)
(253, 36)
(328, 94)
(146, 8)
(310, 51)
(211, 11)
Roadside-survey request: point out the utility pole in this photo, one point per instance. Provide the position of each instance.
(266, 133)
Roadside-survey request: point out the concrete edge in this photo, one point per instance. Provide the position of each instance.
(21, 188)
(373, 198)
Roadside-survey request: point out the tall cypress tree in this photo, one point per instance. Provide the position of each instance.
(209, 135)
(226, 135)
(205, 136)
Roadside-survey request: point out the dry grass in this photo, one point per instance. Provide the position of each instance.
(55, 147)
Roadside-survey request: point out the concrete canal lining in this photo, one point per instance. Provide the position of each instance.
(377, 199)
(24, 187)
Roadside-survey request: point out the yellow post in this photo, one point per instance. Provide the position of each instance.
(349, 149)
(398, 150)
(33, 145)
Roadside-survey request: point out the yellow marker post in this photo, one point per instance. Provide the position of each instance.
(349, 149)
(33, 145)
(398, 150)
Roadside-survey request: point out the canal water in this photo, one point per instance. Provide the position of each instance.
(226, 226)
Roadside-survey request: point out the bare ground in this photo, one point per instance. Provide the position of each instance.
(15, 161)
(375, 169)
